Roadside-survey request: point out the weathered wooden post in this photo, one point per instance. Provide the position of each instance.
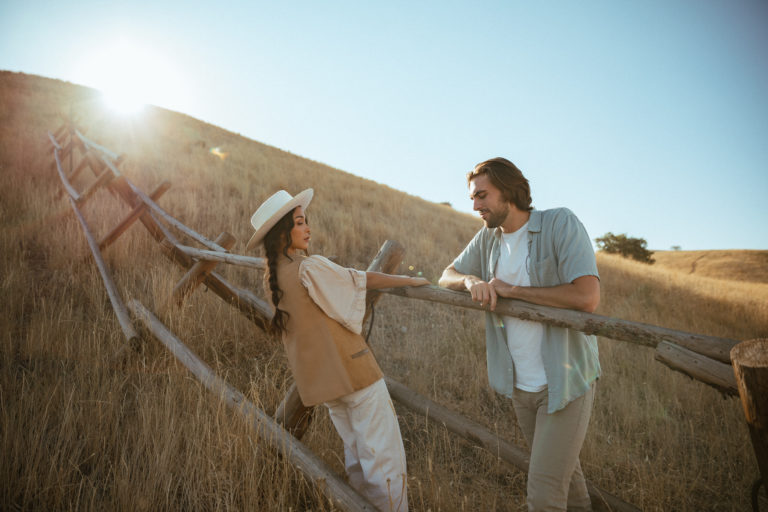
(137, 211)
(341, 495)
(291, 413)
(199, 270)
(750, 365)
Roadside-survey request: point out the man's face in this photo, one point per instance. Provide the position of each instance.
(488, 201)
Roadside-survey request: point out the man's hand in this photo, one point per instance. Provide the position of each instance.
(481, 292)
(502, 288)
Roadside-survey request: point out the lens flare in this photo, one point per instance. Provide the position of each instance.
(219, 153)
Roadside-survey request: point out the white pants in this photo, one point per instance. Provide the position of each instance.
(373, 448)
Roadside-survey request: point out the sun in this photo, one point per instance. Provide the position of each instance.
(131, 76)
(123, 100)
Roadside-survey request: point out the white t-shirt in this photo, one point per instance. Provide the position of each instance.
(523, 336)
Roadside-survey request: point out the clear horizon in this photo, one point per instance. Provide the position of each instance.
(648, 119)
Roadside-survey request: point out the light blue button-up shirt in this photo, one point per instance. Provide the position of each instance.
(559, 251)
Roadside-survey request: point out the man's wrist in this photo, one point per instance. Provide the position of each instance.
(470, 281)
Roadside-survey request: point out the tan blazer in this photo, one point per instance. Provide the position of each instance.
(327, 360)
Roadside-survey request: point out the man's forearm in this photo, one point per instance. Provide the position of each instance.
(583, 294)
(452, 280)
(480, 290)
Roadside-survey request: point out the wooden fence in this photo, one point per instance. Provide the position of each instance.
(704, 358)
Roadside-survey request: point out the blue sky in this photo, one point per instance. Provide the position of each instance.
(648, 118)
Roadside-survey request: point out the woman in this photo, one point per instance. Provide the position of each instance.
(319, 310)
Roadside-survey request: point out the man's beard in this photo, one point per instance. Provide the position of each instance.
(496, 218)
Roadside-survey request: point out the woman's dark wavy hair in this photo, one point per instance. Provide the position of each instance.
(505, 176)
(277, 241)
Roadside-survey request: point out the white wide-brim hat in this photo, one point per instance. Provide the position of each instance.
(273, 209)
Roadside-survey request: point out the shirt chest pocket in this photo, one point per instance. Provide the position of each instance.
(544, 271)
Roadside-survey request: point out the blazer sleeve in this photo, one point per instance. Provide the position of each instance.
(338, 291)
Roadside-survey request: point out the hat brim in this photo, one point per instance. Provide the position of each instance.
(301, 199)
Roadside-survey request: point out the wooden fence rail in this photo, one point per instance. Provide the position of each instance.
(589, 323)
(338, 492)
(704, 358)
(481, 437)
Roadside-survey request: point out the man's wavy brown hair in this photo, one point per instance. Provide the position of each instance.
(506, 177)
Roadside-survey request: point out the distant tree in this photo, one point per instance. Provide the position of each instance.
(675, 247)
(634, 248)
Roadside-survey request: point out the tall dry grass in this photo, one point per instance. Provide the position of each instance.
(79, 430)
(733, 265)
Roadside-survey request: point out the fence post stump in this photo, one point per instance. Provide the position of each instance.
(750, 364)
(291, 413)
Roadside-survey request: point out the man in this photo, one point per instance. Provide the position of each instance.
(543, 257)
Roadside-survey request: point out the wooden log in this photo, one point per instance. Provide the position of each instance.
(198, 270)
(614, 328)
(114, 297)
(54, 141)
(387, 260)
(79, 168)
(66, 150)
(91, 145)
(104, 177)
(482, 437)
(291, 413)
(168, 242)
(750, 367)
(702, 368)
(67, 185)
(223, 257)
(338, 492)
(96, 166)
(60, 131)
(122, 189)
(175, 223)
(254, 308)
(118, 230)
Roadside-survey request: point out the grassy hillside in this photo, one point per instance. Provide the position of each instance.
(80, 430)
(747, 266)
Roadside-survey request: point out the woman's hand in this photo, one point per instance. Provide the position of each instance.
(418, 281)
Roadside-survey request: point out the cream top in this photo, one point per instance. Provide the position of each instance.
(338, 291)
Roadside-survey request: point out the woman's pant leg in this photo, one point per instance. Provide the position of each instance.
(555, 479)
(339, 414)
(378, 445)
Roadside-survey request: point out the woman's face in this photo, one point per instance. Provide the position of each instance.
(300, 231)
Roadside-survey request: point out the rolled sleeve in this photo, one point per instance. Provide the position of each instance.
(574, 248)
(338, 291)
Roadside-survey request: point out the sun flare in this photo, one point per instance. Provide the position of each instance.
(131, 76)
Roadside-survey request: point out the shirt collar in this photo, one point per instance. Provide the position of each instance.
(534, 224)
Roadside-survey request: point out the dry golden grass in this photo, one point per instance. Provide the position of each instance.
(81, 431)
(741, 265)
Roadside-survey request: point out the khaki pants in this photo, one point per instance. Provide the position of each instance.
(555, 480)
(373, 448)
